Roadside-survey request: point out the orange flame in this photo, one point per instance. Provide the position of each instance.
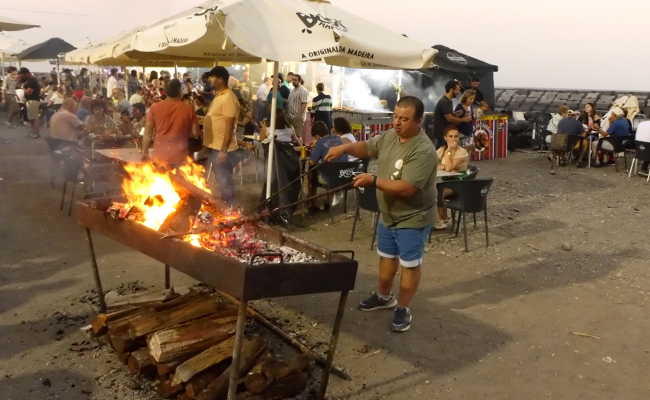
(152, 191)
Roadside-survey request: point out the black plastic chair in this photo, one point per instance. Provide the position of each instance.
(642, 154)
(470, 196)
(366, 200)
(335, 174)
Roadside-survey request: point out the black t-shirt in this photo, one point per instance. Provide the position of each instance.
(32, 83)
(570, 126)
(440, 123)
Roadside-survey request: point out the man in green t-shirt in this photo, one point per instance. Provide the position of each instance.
(406, 173)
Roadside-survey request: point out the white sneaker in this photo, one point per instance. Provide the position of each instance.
(441, 225)
(337, 199)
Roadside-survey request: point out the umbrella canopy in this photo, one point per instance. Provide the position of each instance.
(302, 30)
(246, 31)
(9, 24)
(46, 50)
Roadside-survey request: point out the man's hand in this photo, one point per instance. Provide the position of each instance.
(335, 152)
(467, 118)
(363, 180)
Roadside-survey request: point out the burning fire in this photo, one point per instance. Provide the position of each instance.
(151, 190)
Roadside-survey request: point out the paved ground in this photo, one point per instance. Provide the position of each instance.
(499, 323)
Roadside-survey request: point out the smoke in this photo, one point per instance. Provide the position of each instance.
(356, 92)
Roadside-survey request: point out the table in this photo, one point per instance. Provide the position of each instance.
(130, 155)
(445, 174)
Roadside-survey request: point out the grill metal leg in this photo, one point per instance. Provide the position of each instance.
(465, 230)
(168, 281)
(487, 235)
(65, 186)
(74, 187)
(333, 342)
(98, 280)
(236, 352)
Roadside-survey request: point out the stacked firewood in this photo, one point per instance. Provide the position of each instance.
(185, 343)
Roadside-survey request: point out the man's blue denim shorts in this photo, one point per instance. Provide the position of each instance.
(404, 243)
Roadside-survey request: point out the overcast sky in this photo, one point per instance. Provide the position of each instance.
(587, 44)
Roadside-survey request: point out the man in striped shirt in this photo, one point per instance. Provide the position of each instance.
(297, 106)
(322, 106)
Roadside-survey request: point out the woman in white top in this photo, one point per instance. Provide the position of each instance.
(283, 132)
(342, 128)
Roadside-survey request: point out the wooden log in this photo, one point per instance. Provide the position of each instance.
(122, 343)
(114, 300)
(202, 380)
(191, 337)
(251, 350)
(194, 191)
(272, 370)
(181, 219)
(200, 307)
(167, 390)
(204, 360)
(276, 370)
(322, 361)
(289, 386)
(167, 368)
(99, 325)
(141, 363)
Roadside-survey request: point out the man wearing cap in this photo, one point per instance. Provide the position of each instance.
(406, 173)
(219, 134)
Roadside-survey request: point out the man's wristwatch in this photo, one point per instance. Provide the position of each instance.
(374, 180)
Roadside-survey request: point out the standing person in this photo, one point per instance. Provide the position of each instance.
(443, 116)
(133, 83)
(465, 108)
(33, 105)
(219, 134)
(475, 85)
(322, 106)
(111, 83)
(406, 173)
(282, 97)
(9, 96)
(169, 124)
(83, 80)
(262, 94)
(297, 106)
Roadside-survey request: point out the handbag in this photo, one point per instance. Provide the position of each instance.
(559, 142)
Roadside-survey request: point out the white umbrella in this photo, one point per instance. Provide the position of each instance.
(282, 30)
(9, 24)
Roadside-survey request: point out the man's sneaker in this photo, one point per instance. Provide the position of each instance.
(440, 225)
(402, 319)
(374, 302)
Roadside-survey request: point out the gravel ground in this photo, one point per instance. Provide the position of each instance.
(555, 308)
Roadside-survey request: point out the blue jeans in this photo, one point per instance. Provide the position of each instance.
(220, 178)
(407, 244)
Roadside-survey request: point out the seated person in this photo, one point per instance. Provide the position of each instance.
(343, 129)
(65, 127)
(99, 122)
(611, 141)
(283, 132)
(83, 111)
(451, 158)
(324, 141)
(570, 126)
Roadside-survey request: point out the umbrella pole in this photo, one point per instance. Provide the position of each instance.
(274, 102)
